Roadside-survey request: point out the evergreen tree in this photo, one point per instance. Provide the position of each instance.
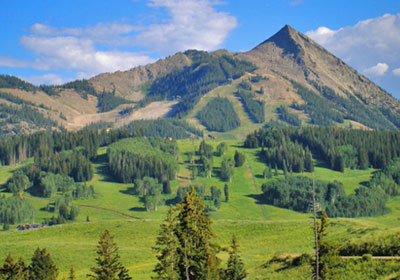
(339, 163)
(166, 187)
(13, 270)
(235, 269)
(184, 250)
(308, 162)
(194, 172)
(226, 193)
(42, 266)
(166, 247)
(108, 264)
(72, 275)
(227, 169)
(276, 170)
(222, 148)
(239, 158)
(328, 251)
(363, 161)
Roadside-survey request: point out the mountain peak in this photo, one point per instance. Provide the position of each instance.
(288, 39)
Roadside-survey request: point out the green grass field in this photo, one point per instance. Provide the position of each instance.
(262, 230)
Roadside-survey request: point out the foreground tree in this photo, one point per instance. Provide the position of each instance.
(235, 269)
(108, 264)
(328, 251)
(42, 266)
(184, 250)
(13, 270)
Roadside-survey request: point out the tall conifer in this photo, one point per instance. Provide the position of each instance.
(108, 264)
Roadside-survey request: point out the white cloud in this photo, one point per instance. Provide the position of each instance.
(108, 47)
(322, 35)
(378, 70)
(364, 44)
(193, 24)
(51, 78)
(396, 72)
(12, 62)
(109, 33)
(76, 53)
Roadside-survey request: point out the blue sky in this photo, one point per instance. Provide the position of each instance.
(47, 41)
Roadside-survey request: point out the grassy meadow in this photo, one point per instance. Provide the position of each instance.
(263, 231)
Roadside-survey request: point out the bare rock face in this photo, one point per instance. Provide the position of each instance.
(131, 84)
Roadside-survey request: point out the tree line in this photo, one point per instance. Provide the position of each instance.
(339, 148)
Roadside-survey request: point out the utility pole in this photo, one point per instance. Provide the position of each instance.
(315, 232)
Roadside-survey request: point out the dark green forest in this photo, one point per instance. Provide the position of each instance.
(219, 115)
(339, 148)
(136, 158)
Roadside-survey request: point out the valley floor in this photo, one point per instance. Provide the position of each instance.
(262, 231)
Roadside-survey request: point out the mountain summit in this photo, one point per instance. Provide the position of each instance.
(287, 69)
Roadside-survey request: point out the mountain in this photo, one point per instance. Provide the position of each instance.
(286, 80)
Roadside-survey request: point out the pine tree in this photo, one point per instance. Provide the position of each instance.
(239, 158)
(42, 266)
(13, 271)
(226, 193)
(235, 269)
(184, 250)
(328, 251)
(72, 275)
(363, 161)
(166, 187)
(166, 248)
(109, 266)
(308, 162)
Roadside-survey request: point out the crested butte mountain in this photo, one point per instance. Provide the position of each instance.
(286, 80)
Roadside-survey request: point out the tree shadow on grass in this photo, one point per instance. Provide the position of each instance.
(258, 198)
(259, 176)
(138, 209)
(103, 169)
(364, 183)
(130, 191)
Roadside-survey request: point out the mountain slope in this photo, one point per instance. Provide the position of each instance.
(287, 69)
(295, 56)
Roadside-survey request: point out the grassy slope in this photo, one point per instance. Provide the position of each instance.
(262, 230)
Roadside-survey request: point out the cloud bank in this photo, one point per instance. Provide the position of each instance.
(90, 50)
(372, 46)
